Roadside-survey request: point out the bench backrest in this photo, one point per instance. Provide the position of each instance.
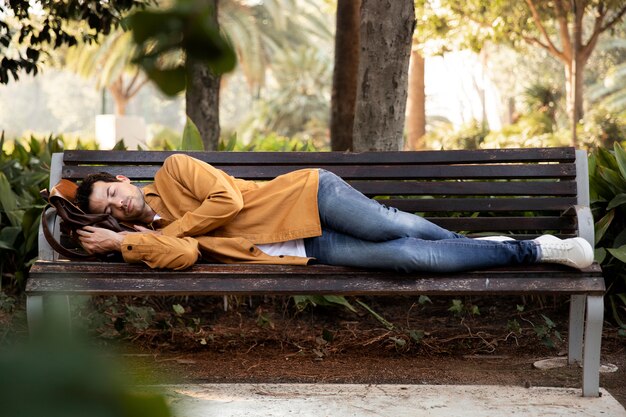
(523, 192)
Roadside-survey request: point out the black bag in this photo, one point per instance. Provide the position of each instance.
(60, 200)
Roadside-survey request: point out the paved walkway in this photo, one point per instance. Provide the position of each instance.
(335, 400)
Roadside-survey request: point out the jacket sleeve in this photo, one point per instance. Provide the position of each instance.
(158, 251)
(219, 198)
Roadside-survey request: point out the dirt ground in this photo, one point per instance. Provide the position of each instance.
(265, 339)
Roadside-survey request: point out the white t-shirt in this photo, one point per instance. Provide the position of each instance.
(293, 247)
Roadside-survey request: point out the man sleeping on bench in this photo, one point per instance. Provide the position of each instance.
(195, 210)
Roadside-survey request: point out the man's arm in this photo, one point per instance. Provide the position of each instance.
(99, 240)
(147, 246)
(219, 197)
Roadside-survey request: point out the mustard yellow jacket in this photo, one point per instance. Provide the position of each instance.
(208, 213)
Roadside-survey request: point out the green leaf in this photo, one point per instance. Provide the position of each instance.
(8, 202)
(119, 145)
(423, 299)
(613, 179)
(606, 159)
(417, 335)
(620, 158)
(145, 404)
(377, 316)
(619, 253)
(340, 300)
(398, 341)
(178, 309)
(620, 239)
(549, 322)
(602, 225)
(617, 201)
(186, 27)
(192, 140)
(599, 255)
(148, 24)
(169, 81)
(8, 235)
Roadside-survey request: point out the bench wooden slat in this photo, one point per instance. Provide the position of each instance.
(565, 171)
(490, 188)
(480, 204)
(106, 278)
(562, 154)
(459, 188)
(485, 224)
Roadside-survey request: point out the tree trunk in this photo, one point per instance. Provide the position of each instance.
(120, 100)
(345, 73)
(416, 103)
(202, 98)
(386, 38)
(574, 77)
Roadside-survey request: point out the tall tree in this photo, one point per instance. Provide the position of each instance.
(109, 63)
(345, 71)
(385, 39)
(190, 29)
(202, 97)
(416, 101)
(567, 29)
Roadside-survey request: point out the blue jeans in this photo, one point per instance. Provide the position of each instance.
(360, 232)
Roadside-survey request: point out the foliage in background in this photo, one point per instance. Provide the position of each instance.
(23, 173)
(56, 377)
(185, 27)
(609, 91)
(607, 179)
(603, 128)
(301, 107)
(28, 33)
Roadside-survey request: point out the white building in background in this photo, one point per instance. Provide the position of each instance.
(458, 89)
(111, 128)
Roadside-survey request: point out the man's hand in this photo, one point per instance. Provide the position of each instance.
(99, 240)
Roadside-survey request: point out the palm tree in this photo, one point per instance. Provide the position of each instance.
(109, 64)
(260, 30)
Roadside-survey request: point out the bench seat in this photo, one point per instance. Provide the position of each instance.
(250, 279)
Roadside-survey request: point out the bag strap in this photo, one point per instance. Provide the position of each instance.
(55, 244)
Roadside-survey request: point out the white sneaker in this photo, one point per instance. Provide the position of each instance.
(575, 252)
(547, 239)
(495, 238)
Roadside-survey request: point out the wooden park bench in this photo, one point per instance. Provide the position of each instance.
(519, 192)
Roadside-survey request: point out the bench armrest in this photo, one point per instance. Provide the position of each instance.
(584, 220)
(46, 253)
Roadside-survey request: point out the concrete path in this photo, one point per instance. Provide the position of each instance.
(340, 400)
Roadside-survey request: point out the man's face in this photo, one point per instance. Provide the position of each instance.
(122, 200)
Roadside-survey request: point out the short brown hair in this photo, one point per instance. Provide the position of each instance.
(86, 187)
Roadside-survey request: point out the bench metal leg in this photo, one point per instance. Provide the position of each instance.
(576, 328)
(593, 339)
(34, 313)
(58, 307)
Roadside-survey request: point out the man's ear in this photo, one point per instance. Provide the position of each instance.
(122, 178)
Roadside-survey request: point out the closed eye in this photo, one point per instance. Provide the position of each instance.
(110, 193)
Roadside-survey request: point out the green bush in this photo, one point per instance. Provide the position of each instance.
(24, 171)
(607, 179)
(269, 143)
